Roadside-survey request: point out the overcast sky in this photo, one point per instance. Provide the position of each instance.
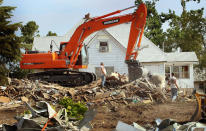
(61, 15)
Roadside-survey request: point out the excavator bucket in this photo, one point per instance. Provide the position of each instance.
(200, 112)
(135, 70)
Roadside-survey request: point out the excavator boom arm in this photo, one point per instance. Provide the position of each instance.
(137, 19)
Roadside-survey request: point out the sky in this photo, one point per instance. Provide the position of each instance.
(60, 16)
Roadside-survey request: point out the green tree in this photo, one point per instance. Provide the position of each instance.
(29, 31)
(51, 34)
(9, 42)
(187, 30)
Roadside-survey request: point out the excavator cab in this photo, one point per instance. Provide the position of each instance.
(62, 46)
(83, 58)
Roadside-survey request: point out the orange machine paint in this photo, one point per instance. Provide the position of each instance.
(68, 55)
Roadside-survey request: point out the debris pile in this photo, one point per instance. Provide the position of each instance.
(117, 89)
(32, 92)
(138, 91)
(117, 92)
(115, 79)
(44, 117)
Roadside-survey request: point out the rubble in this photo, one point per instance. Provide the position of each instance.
(4, 99)
(46, 118)
(115, 79)
(3, 88)
(169, 124)
(118, 91)
(163, 125)
(121, 126)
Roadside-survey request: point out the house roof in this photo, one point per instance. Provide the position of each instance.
(43, 43)
(151, 53)
(181, 57)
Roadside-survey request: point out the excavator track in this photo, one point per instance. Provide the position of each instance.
(64, 77)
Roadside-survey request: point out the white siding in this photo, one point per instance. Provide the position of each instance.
(187, 83)
(155, 68)
(184, 82)
(115, 57)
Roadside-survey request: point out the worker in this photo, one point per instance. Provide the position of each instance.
(174, 87)
(103, 73)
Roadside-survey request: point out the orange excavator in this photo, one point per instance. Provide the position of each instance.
(62, 67)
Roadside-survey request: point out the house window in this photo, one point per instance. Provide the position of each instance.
(176, 71)
(185, 72)
(181, 71)
(167, 71)
(103, 47)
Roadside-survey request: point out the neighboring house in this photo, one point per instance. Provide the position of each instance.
(109, 46)
(181, 63)
(199, 78)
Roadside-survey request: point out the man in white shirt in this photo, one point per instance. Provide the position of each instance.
(173, 85)
(103, 73)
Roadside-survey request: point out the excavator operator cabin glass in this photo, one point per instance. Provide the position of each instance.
(84, 55)
(62, 47)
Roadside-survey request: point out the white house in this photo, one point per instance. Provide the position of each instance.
(109, 46)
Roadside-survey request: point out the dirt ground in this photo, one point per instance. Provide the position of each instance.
(143, 114)
(108, 115)
(7, 114)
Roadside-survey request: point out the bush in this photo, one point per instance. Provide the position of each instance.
(74, 109)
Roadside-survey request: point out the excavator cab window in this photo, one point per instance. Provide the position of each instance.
(83, 57)
(62, 47)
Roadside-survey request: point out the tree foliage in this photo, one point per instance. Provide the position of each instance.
(9, 42)
(187, 31)
(29, 31)
(50, 33)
